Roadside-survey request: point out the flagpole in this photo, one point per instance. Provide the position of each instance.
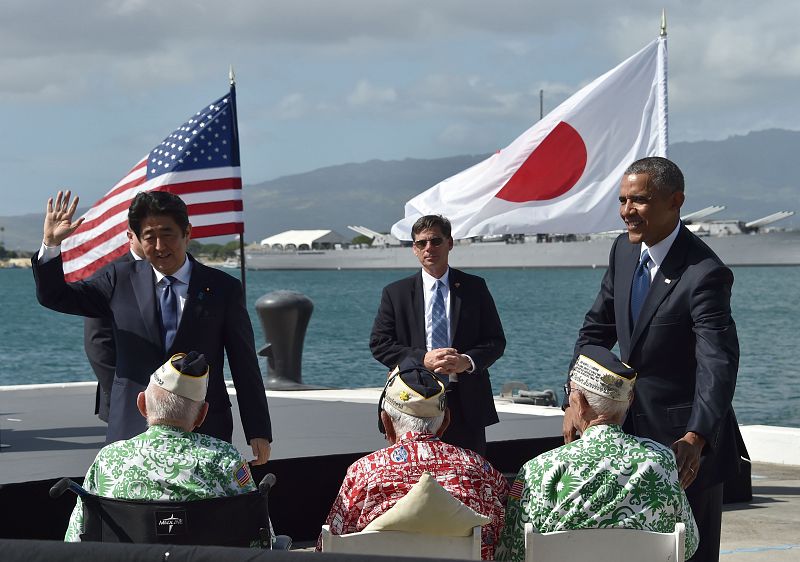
(541, 105)
(663, 99)
(236, 158)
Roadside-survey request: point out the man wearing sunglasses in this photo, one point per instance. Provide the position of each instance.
(447, 320)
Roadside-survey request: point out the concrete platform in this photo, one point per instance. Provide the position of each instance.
(51, 432)
(768, 527)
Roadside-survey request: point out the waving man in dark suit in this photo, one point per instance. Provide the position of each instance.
(164, 305)
(447, 320)
(665, 299)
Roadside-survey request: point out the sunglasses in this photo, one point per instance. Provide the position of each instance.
(435, 242)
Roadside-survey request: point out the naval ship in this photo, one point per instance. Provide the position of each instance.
(737, 243)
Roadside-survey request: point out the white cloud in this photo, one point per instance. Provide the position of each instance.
(437, 77)
(457, 134)
(369, 95)
(292, 106)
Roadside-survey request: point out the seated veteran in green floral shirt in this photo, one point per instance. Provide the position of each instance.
(606, 478)
(168, 461)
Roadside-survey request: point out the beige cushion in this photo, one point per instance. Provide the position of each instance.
(429, 508)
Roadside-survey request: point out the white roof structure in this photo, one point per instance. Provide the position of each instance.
(378, 239)
(303, 240)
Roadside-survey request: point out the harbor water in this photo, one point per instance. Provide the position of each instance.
(541, 310)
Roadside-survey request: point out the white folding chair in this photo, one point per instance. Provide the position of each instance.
(401, 543)
(605, 545)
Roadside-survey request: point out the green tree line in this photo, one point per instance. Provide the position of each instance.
(214, 251)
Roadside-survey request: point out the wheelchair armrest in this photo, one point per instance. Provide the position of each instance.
(65, 484)
(266, 484)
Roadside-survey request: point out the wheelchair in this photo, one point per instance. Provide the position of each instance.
(241, 520)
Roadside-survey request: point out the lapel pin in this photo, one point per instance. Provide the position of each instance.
(457, 285)
(667, 281)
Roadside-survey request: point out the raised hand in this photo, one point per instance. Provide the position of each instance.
(58, 223)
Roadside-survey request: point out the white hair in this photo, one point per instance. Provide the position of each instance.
(164, 406)
(403, 423)
(602, 405)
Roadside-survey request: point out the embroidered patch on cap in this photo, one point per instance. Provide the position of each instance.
(416, 392)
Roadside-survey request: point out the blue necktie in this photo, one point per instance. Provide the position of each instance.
(169, 311)
(439, 336)
(641, 284)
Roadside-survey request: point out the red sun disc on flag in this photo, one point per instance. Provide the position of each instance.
(552, 169)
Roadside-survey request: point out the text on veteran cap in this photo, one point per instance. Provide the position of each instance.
(599, 371)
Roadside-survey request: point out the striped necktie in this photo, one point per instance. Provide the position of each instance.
(640, 286)
(169, 311)
(439, 335)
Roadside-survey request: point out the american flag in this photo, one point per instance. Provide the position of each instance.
(243, 475)
(198, 161)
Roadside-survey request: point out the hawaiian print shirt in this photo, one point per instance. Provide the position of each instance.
(164, 463)
(375, 482)
(606, 478)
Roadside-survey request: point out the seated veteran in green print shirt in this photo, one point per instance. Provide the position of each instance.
(606, 478)
(168, 462)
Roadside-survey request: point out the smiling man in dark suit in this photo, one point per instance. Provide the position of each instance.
(164, 305)
(447, 320)
(665, 299)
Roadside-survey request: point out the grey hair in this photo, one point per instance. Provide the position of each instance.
(664, 175)
(602, 405)
(403, 423)
(164, 406)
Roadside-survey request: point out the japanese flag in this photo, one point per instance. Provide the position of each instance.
(562, 175)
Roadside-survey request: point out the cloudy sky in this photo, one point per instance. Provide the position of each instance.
(87, 87)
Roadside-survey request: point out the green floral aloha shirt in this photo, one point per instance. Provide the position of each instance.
(164, 463)
(606, 478)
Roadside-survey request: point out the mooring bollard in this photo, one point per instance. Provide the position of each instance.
(284, 317)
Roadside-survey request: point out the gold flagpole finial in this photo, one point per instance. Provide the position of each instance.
(231, 76)
(663, 22)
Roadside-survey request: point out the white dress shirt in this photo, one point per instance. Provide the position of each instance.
(658, 252)
(429, 292)
(180, 285)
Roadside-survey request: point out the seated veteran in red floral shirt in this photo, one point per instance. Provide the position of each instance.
(413, 414)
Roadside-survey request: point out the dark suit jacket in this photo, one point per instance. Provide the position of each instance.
(214, 322)
(98, 342)
(684, 347)
(399, 332)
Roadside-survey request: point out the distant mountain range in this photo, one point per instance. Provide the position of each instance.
(750, 174)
